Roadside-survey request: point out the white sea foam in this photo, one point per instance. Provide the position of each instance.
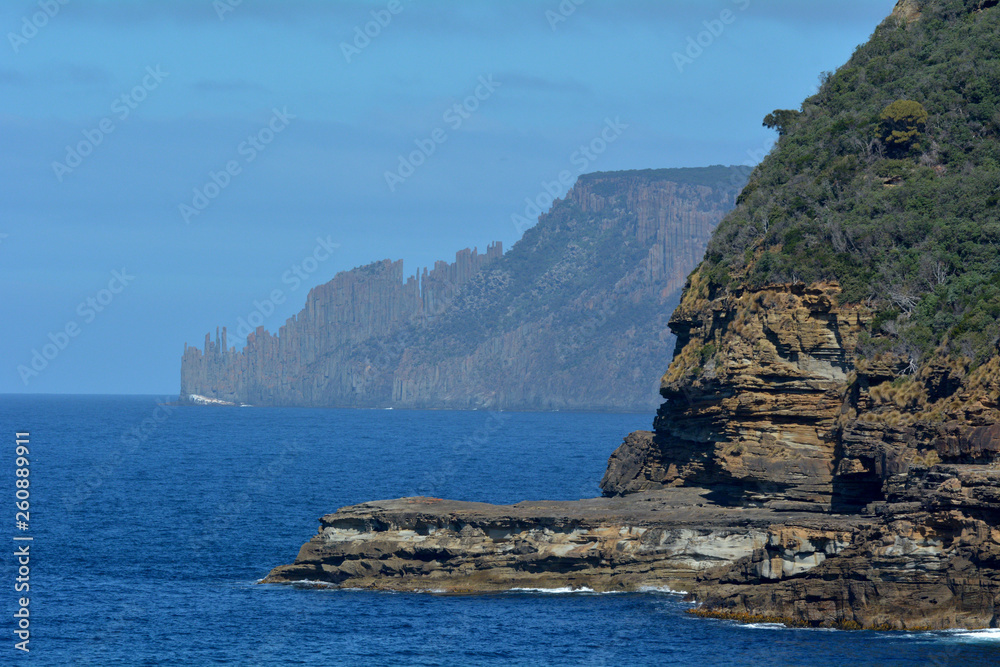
(957, 634)
(303, 583)
(990, 634)
(565, 590)
(660, 589)
(205, 400)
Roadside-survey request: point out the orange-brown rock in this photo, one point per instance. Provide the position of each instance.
(754, 395)
(770, 403)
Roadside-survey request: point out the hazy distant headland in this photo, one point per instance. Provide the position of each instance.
(573, 317)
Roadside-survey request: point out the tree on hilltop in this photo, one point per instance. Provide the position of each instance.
(781, 120)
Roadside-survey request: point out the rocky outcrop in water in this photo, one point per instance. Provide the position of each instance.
(573, 317)
(786, 479)
(663, 539)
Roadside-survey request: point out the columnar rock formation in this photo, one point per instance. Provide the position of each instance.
(356, 306)
(573, 317)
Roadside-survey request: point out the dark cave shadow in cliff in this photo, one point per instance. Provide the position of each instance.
(852, 493)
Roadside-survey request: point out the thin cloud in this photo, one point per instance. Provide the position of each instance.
(77, 75)
(211, 11)
(14, 79)
(489, 19)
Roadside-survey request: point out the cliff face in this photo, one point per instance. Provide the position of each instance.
(835, 387)
(798, 394)
(754, 393)
(573, 317)
(312, 355)
(770, 404)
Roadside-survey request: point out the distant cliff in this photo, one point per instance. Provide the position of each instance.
(574, 316)
(319, 353)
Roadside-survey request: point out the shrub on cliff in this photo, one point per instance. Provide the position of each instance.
(902, 123)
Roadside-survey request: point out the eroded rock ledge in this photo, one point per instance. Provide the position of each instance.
(669, 538)
(929, 558)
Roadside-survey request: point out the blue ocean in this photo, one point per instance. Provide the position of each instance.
(151, 524)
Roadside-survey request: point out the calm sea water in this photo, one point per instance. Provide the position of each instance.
(151, 526)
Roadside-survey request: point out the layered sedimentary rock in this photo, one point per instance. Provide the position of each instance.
(927, 558)
(771, 405)
(663, 539)
(573, 317)
(754, 394)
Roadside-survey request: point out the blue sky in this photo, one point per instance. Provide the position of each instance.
(165, 165)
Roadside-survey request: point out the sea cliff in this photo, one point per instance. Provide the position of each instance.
(573, 317)
(783, 413)
(828, 452)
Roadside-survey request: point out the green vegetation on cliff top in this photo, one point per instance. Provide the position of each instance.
(572, 256)
(888, 182)
(709, 177)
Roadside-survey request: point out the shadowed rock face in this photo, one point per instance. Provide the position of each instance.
(929, 557)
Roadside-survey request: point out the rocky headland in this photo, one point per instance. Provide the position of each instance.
(781, 482)
(828, 452)
(573, 317)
